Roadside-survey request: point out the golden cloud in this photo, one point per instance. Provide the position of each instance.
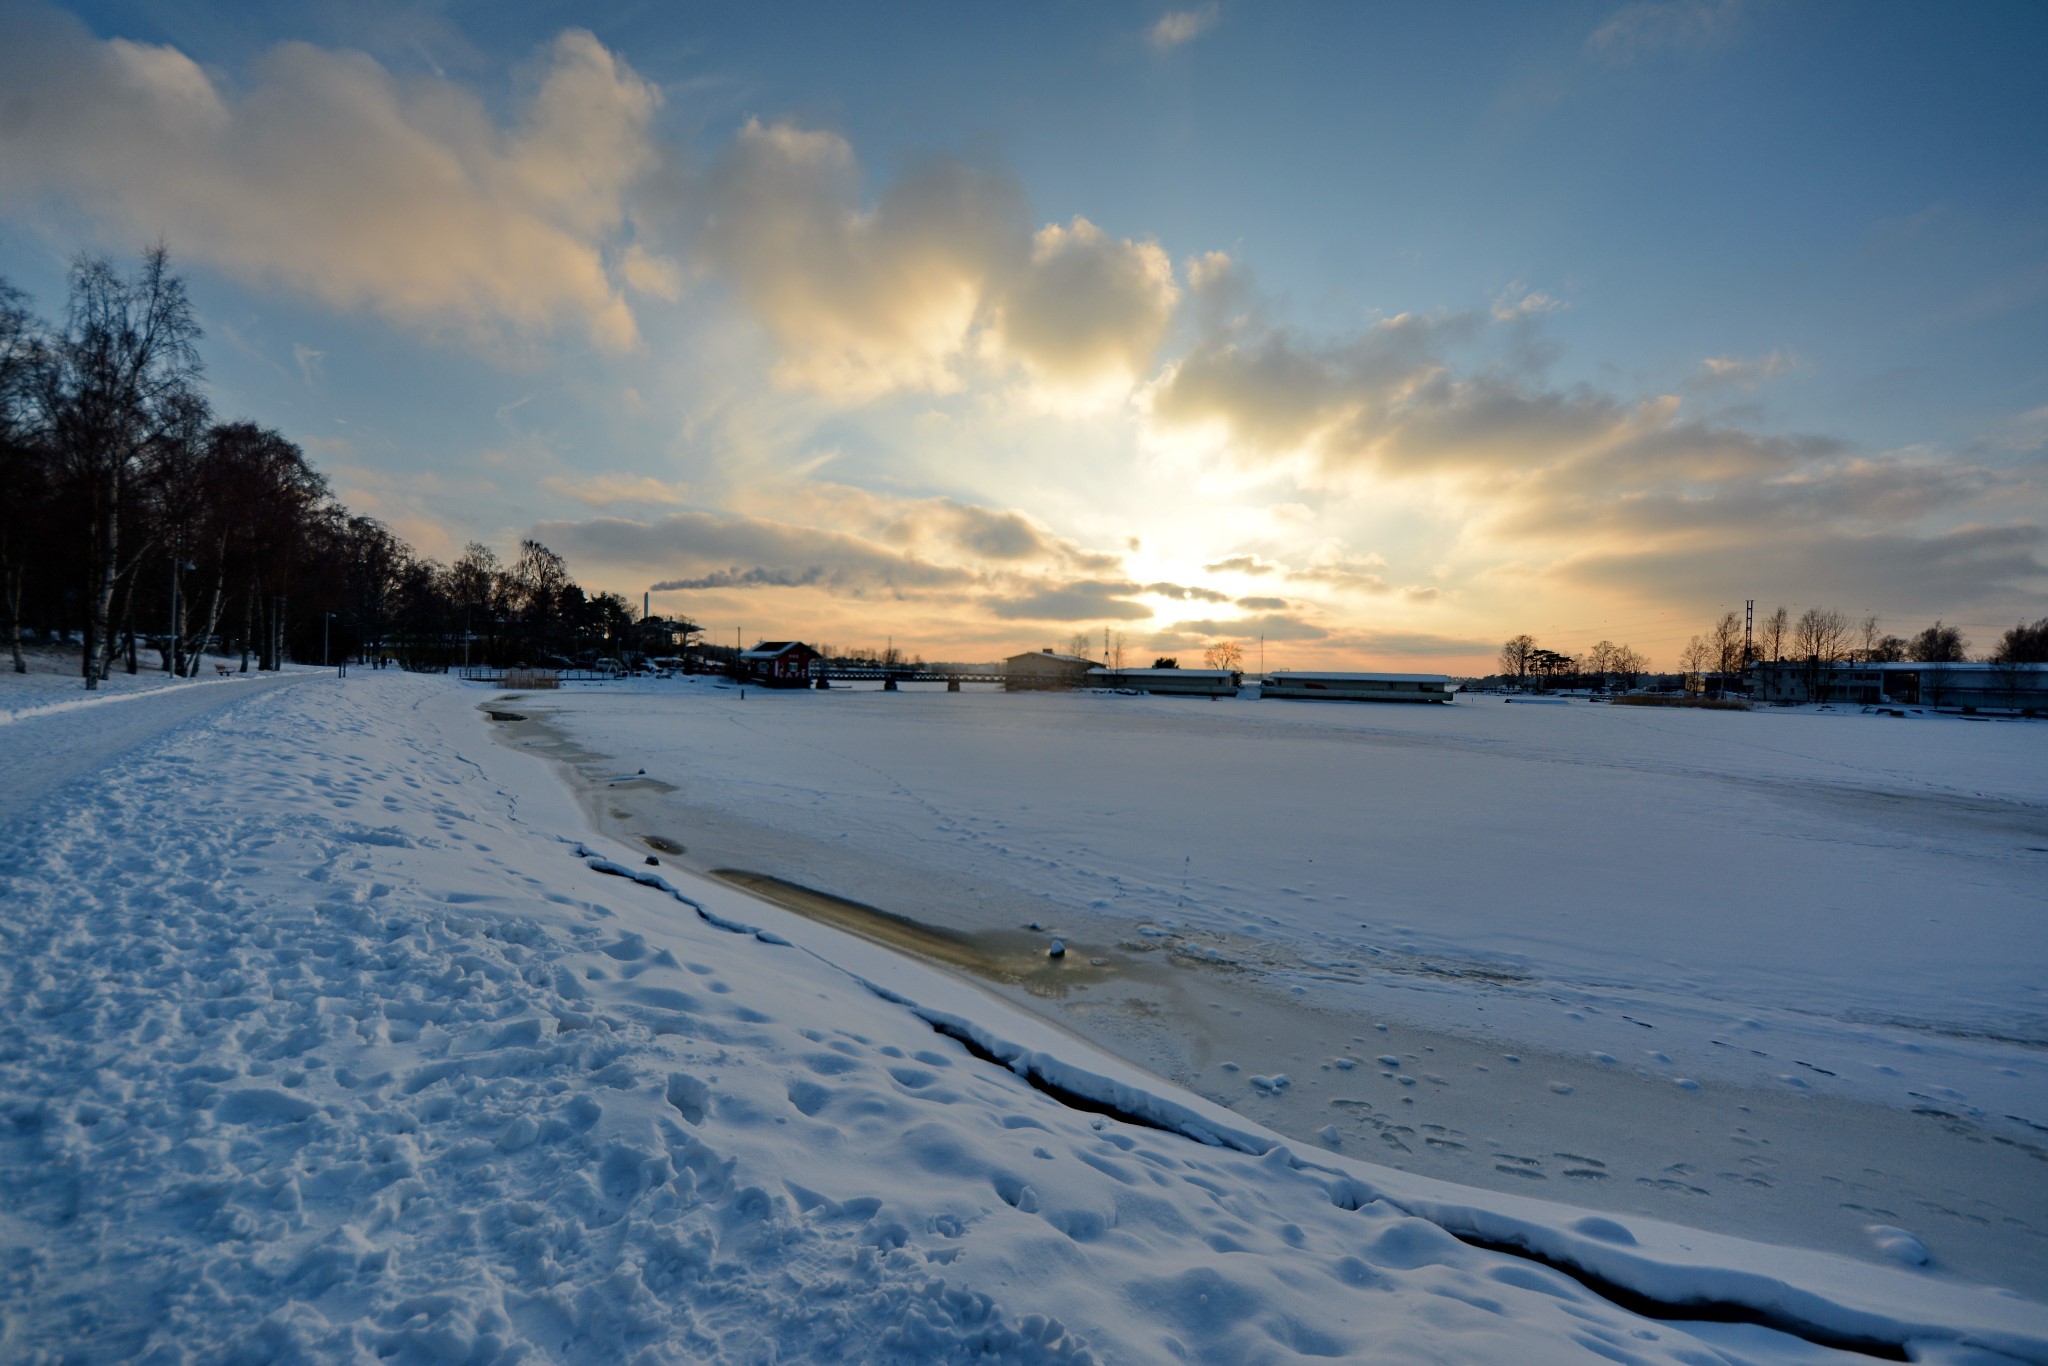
(337, 179)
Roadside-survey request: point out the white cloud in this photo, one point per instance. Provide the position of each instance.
(903, 296)
(1738, 373)
(859, 302)
(1176, 27)
(1654, 28)
(1088, 311)
(328, 174)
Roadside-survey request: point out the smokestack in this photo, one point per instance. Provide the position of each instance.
(645, 598)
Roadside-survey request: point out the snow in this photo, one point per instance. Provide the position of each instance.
(336, 1032)
(1811, 942)
(52, 683)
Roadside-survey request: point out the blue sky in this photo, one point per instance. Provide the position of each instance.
(982, 327)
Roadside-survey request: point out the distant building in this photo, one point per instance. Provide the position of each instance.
(778, 663)
(1966, 686)
(1168, 682)
(1354, 687)
(1045, 671)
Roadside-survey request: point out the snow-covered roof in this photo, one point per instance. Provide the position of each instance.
(1048, 655)
(1162, 673)
(771, 649)
(1305, 676)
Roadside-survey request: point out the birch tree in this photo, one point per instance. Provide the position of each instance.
(127, 372)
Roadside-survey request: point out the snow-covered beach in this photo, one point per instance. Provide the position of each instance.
(332, 1032)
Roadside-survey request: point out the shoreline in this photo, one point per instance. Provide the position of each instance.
(1481, 1110)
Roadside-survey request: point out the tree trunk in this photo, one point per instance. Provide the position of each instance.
(99, 635)
(14, 578)
(220, 581)
(248, 621)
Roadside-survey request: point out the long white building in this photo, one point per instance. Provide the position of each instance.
(1357, 687)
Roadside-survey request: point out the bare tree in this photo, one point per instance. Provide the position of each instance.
(1820, 640)
(1080, 644)
(1629, 664)
(1777, 628)
(25, 474)
(1116, 651)
(1887, 650)
(1515, 657)
(1725, 640)
(128, 370)
(1695, 659)
(1599, 660)
(1224, 654)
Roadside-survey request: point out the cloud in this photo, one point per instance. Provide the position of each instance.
(705, 550)
(603, 490)
(1658, 28)
(1899, 571)
(1518, 302)
(1413, 643)
(859, 302)
(1358, 574)
(329, 175)
(862, 302)
(1247, 628)
(1242, 564)
(938, 528)
(1184, 593)
(1176, 27)
(1263, 604)
(1732, 372)
(1275, 393)
(1089, 310)
(1087, 600)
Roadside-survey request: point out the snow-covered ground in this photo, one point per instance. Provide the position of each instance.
(1776, 973)
(333, 1033)
(52, 682)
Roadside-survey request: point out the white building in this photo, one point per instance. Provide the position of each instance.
(1965, 686)
(1355, 687)
(1167, 682)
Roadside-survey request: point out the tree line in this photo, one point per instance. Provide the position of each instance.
(1603, 665)
(131, 519)
(1818, 639)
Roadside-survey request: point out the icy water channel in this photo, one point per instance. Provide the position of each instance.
(1345, 1070)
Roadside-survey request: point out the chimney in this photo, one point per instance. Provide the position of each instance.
(645, 598)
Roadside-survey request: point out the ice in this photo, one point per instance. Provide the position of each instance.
(1544, 880)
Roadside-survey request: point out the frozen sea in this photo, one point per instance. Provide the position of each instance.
(1778, 973)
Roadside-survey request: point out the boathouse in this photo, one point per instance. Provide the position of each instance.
(1168, 682)
(1354, 687)
(778, 663)
(1044, 671)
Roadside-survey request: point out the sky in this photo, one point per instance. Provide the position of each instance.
(1373, 333)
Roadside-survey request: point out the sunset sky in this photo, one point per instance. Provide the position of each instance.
(1382, 332)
